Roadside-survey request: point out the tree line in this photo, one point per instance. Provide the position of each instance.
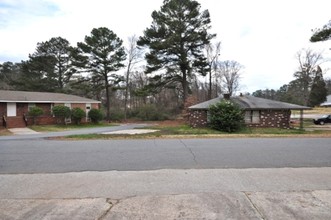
(309, 87)
(153, 76)
(155, 72)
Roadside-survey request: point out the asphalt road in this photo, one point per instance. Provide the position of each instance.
(54, 156)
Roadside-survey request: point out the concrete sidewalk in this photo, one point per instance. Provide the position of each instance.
(22, 131)
(285, 193)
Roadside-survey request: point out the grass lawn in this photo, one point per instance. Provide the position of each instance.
(185, 131)
(177, 128)
(54, 128)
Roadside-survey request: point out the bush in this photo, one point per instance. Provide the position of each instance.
(116, 114)
(95, 115)
(34, 112)
(61, 113)
(151, 113)
(77, 114)
(226, 116)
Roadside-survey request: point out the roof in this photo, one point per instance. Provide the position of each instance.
(41, 97)
(252, 103)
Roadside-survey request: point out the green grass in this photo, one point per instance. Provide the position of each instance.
(54, 128)
(185, 131)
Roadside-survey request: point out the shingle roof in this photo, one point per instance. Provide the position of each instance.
(253, 103)
(41, 97)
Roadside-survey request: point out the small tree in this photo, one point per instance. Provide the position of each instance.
(226, 116)
(95, 115)
(34, 112)
(77, 114)
(61, 113)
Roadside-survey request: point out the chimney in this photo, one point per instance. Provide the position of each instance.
(226, 96)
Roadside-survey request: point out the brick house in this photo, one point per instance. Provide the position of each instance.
(14, 106)
(258, 112)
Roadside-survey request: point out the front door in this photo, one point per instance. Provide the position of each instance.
(11, 109)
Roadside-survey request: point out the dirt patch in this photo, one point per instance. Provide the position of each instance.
(166, 123)
(4, 132)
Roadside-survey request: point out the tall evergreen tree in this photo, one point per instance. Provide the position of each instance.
(103, 53)
(176, 41)
(322, 34)
(36, 75)
(318, 91)
(9, 72)
(53, 59)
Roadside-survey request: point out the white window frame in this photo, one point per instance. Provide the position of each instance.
(88, 107)
(67, 120)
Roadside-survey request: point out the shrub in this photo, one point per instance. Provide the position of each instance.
(34, 112)
(151, 113)
(226, 116)
(61, 113)
(116, 114)
(95, 115)
(77, 114)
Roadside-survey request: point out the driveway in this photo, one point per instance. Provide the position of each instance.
(26, 133)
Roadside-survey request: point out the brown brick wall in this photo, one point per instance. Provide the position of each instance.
(46, 118)
(15, 122)
(46, 107)
(3, 111)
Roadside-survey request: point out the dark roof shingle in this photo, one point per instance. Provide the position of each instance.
(41, 97)
(253, 103)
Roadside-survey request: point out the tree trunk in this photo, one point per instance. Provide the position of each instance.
(185, 86)
(126, 91)
(107, 98)
(210, 86)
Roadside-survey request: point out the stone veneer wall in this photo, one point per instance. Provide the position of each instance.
(268, 118)
(273, 119)
(198, 118)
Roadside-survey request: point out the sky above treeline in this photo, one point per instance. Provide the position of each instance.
(263, 36)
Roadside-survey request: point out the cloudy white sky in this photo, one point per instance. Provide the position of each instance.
(264, 36)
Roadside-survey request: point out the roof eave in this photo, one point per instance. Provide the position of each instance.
(31, 101)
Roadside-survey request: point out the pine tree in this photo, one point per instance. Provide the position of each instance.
(50, 64)
(103, 54)
(322, 34)
(318, 91)
(176, 42)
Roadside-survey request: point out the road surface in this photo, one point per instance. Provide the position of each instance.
(58, 156)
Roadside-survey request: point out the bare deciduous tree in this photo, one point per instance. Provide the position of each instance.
(134, 56)
(308, 63)
(213, 51)
(230, 71)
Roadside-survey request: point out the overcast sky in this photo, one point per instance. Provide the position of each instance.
(262, 35)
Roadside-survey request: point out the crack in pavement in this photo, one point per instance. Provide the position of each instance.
(254, 206)
(190, 150)
(111, 203)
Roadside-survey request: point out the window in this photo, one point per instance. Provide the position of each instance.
(67, 120)
(87, 110)
(68, 105)
(31, 105)
(252, 117)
